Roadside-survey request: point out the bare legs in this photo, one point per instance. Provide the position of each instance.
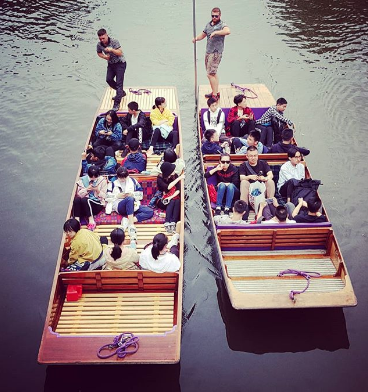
(214, 82)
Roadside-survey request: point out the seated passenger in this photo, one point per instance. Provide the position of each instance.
(286, 143)
(273, 213)
(289, 171)
(239, 216)
(211, 143)
(135, 124)
(160, 256)
(102, 157)
(108, 131)
(128, 193)
(272, 122)
(86, 251)
(162, 123)
(90, 198)
(240, 145)
(171, 157)
(169, 184)
(311, 214)
(255, 170)
(118, 256)
(214, 117)
(227, 179)
(135, 161)
(240, 118)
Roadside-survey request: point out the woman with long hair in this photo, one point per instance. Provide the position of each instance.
(118, 256)
(162, 123)
(161, 255)
(108, 131)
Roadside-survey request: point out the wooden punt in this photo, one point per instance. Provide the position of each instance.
(252, 256)
(141, 302)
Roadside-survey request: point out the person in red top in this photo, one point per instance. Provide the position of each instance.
(240, 118)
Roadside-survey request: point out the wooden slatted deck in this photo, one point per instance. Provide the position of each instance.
(145, 101)
(227, 94)
(267, 267)
(111, 313)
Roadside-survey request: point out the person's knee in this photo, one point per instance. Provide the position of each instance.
(221, 186)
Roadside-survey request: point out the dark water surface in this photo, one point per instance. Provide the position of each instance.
(314, 53)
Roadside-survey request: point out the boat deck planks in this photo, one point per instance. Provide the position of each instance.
(145, 101)
(227, 94)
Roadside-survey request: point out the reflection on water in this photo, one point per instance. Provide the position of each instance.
(279, 331)
(132, 378)
(335, 29)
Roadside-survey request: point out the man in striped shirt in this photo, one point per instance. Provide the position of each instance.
(273, 122)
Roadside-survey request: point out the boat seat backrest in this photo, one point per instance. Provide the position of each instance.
(126, 281)
(275, 239)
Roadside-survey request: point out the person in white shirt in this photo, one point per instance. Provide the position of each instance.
(289, 171)
(214, 118)
(161, 256)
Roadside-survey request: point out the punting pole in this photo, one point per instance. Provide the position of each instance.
(195, 55)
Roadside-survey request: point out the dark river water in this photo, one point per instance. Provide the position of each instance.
(313, 53)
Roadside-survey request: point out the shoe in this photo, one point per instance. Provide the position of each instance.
(124, 223)
(132, 233)
(91, 226)
(218, 211)
(227, 211)
(174, 240)
(172, 228)
(209, 95)
(133, 244)
(108, 208)
(218, 96)
(113, 98)
(116, 107)
(167, 227)
(124, 94)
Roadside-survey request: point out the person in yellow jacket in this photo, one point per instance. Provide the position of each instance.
(162, 124)
(86, 249)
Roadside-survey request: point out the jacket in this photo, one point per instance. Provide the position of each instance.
(231, 175)
(116, 132)
(143, 122)
(136, 160)
(99, 194)
(281, 147)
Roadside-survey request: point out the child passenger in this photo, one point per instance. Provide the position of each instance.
(240, 118)
(86, 252)
(239, 217)
(211, 144)
(161, 256)
(214, 117)
(135, 161)
(120, 257)
(240, 145)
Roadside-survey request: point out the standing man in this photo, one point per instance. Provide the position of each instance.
(110, 50)
(215, 32)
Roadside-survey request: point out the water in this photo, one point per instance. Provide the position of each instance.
(313, 53)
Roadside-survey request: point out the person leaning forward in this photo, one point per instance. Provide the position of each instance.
(215, 32)
(110, 50)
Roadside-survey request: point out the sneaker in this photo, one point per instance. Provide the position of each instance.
(209, 95)
(218, 96)
(124, 93)
(174, 240)
(218, 211)
(227, 211)
(124, 223)
(172, 228)
(167, 227)
(108, 208)
(133, 244)
(132, 233)
(116, 107)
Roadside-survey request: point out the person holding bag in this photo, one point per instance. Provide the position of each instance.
(162, 123)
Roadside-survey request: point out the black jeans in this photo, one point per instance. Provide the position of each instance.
(112, 145)
(116, 71)
(172, 138)
(266, 135)
(172, 210)
(84, 207)
(241, 128)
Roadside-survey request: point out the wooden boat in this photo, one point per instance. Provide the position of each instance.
(252, 256)
(144, 303)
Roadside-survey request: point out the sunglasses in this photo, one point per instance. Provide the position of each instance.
(215, 16)
(225, 162)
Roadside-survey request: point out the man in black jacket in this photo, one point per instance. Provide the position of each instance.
(284, 146)
(135, 124)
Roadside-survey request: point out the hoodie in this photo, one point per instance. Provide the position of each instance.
(136, 160)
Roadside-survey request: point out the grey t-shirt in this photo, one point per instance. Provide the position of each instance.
(215, 44)
(114, 43)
